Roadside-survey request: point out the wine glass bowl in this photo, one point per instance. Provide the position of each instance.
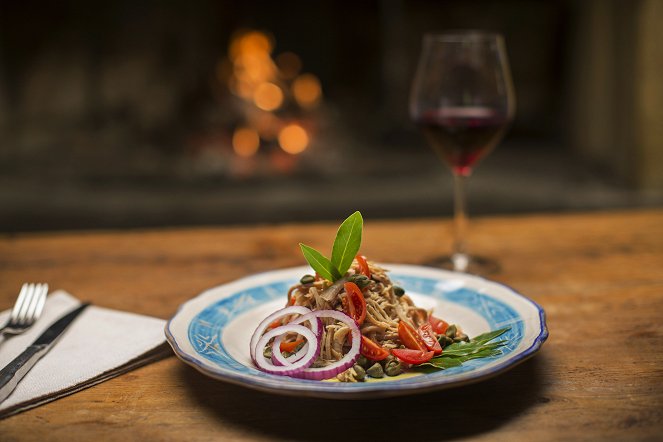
(462, 98)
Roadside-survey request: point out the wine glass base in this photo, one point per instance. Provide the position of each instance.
(476, 265)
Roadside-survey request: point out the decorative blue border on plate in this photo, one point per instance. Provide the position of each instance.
(205, 328)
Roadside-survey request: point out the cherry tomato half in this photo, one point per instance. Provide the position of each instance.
(410, 338)
(414, 357)
(439, 326)
(427, 335)
(363, 265)
(290, 346)
(354, 303)
(372, 351)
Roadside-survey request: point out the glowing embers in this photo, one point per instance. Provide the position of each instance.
(293, 139)
(274, 99)
(307, 91)
(268, 96)
(245, 142)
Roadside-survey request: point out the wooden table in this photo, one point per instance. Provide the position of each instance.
(599, 277)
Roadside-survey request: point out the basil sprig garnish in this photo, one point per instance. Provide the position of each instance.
(455, 354)
(345, 248)
(320, 263)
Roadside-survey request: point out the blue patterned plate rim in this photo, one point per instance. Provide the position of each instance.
(451, 287)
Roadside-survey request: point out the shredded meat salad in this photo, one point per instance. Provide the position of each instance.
(387, 305)
(384, 309)
(349, 321)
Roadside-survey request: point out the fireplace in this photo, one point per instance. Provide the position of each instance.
(215, 112)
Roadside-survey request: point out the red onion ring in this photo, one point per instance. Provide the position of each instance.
(292, 369)
(287, 311)
(347, 361)
(277, 356)
(298, 365)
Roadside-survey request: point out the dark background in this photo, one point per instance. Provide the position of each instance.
(115, 114)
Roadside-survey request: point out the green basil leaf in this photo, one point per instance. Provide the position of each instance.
(483, 338)
(319, 263)
(455, 354)
(347, 242)
(440, 363)
(467, 350)
(469, 347)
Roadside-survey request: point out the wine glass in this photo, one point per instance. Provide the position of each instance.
(462, 97)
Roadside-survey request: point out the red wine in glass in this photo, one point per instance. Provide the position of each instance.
(463, 135)
(462, 98)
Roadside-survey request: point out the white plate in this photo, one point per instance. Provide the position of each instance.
(212, 331)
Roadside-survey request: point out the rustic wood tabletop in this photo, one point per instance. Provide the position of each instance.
(599, 276)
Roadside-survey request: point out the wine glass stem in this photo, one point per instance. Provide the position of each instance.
(459, 256)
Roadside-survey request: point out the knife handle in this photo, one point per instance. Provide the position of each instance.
(12, 374)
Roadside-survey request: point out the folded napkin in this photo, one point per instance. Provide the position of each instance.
(99, 344)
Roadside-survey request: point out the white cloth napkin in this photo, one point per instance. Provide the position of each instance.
(99, 344)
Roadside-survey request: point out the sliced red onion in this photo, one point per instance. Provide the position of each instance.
(347, 361)
(296, 368)
(287, 311)
(277, 356)
(297, 365)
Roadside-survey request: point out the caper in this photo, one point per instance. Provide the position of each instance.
(398, 291)
(388, 359)
(360, 373)
(375, 371)
(307, 279)
(267, 352)
(445, 340)
(363, 361)
(393, 368)
(451, 331)
(361, 280)
(462, 337)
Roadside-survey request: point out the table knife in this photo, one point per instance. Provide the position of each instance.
(12, 374)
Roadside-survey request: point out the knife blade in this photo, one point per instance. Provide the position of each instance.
(12, 374)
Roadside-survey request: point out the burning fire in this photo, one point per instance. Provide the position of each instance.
(268, 91)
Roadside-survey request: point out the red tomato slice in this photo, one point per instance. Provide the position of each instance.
(410, 338)
(290, 346)
(427, 335)
(414, 357)
(355, 306)
(372, 351)
(363, 265)
(439, 326)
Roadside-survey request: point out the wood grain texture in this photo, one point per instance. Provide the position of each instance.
(599, 376)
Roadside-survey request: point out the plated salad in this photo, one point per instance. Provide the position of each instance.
(349, 321)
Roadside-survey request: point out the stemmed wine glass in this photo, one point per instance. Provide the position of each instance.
(463, 99)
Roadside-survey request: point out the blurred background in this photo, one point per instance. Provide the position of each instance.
(162, 113)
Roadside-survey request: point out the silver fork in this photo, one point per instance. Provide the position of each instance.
(27, 309)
